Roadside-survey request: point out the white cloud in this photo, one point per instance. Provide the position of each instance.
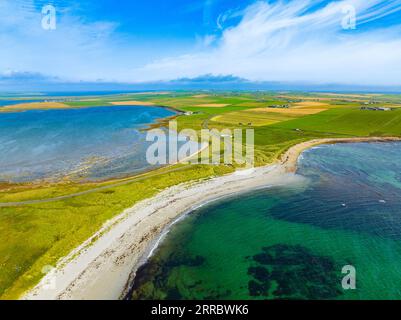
(76, 50)
(280, 41)
(286, 41)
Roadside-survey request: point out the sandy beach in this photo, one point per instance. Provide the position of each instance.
(290, 158)
(34, 106)
(102, 266)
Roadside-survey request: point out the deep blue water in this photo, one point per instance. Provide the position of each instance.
(94, 143)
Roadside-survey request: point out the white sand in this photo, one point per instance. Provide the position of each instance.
(103, 269)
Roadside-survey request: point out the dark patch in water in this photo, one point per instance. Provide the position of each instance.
(259, 273)
(277, 272)
(295, 273)
(152, 279)
(257, 289)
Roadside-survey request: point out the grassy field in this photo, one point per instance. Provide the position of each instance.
(254, 117)
(350, 121)
(36, 235)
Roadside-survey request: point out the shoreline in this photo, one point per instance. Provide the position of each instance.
(62, 179)
(290, 158)
(46, 106)
(104, 266)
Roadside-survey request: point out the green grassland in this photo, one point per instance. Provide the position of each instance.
(86, 104)
(349, 121)
(34, 236)
(39, 234)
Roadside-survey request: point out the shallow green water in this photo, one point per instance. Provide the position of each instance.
(291, 242)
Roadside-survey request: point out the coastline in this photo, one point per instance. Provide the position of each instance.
(101, 267)
(43, 106)
(82, 167)
(290, 158)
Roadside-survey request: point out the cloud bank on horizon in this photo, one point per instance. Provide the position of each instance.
(284, 41)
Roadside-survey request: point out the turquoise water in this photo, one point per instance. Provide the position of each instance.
(291, 242)
(88, 143)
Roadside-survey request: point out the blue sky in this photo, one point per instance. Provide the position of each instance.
(156, 19)
(152, 40)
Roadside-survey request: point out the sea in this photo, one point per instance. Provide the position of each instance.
(95, 143)
(333, 235)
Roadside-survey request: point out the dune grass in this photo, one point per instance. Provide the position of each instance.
(35, 236)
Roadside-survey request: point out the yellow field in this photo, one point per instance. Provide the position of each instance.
(252, 104)
(35, 105)
(289, 111)
(266, 116)
(254, 117)
(310, 104)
